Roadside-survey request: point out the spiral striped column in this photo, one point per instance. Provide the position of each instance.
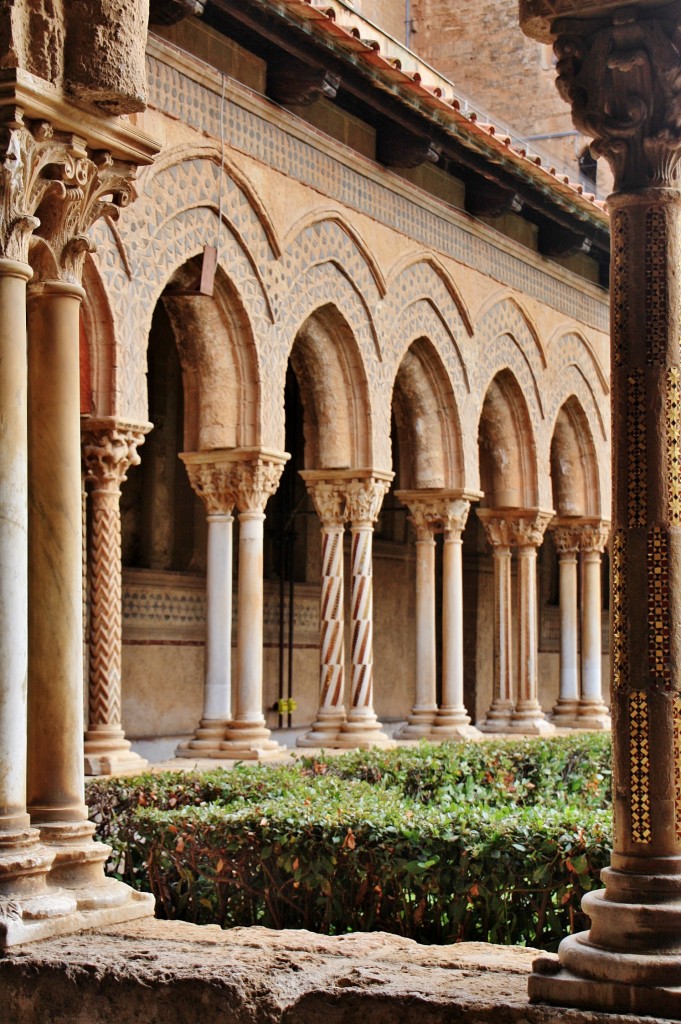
(362, 728)
(109, 450)
(329, 502)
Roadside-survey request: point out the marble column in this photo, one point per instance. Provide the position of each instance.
(566, 536)
(364, 496)
(255, 477)
(620, 69)
(499, 538)
(452, 720)
(528, 527)
(88, 188)
(425, 519)
(592, 713)
(327, 493)
(211, 476)
(109, 448)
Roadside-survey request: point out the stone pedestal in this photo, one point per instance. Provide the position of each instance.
(211, 476)
(364, 495)
(108, 450)
(328, 494)
(621, 73)
(255, 476)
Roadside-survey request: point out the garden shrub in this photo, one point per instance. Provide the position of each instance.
(493, 841)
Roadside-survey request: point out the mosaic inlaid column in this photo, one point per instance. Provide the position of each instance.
(593, 712)
(255, 477)
(566, 536)
(452, 720)
(622, 75)
(88, 188)
(211, 476)
(528, 527)
(364, 496)
(328, 495)
(426, 518)
(499, 538)
(108, 450)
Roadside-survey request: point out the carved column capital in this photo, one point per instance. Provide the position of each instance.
(85, 186)
(328, 497)
(594, 536)
(364, 497)
(109, 449)
(225, 477)
(618, 70)
(438, 511)
(515, 527)
(566, 535)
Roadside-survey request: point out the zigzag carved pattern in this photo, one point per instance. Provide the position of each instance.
(331, 630)
(105, 613)
(362, 620)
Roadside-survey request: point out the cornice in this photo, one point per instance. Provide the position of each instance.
(538, 17)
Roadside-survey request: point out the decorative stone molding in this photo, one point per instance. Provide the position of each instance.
(109, 449)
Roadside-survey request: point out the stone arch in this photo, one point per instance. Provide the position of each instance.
(98, 344)
(324, 235)
(427, 421)
(219, 361)
(422, 274)
(181, 201)
(334, 392)
(574, 463)
(507, 446)
(505, 314)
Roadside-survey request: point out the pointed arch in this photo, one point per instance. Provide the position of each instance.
(507, 446)
(423, 274)
(505, 314)
(324, 234)
(574, 463)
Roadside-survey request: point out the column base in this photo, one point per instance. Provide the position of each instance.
(362, 733)
(206, 739)
(419, 724)
(29, 907)
(107, 752)
(325, 729)
(249, 741)
(565, 712)
(528, 719)
(497, 718)
(593, 715)
(455, 729)
(625, 988)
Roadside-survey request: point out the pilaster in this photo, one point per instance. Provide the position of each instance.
(620, 70)
(109, 449)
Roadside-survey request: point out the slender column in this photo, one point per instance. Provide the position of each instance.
(329, 501)
(593, 713)
(426, 521)
(566, 539)
(255, 477)
(528, 528)
(211, 476)
(498, 536)
(621, 72)
(55, 772)
(109, 449)
(364, 496)
(452, 720)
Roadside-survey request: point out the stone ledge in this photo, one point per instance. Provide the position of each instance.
(161, 972)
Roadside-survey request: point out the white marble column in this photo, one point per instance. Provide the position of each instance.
(255, 477)
(426, 520)
(327, 493)
(211, 476)
(566, 540)
(528, 527)
(109, 448)
(364, 495)
(592, 713)
(452, 720)
(499, 538)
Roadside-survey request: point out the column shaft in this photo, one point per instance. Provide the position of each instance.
(565, 711)
(528, 715)
(217, 692)
(422, 715)
(593, 713)
(499, 715)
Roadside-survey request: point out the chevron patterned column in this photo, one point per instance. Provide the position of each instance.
(327, 494)
(109, 449)
(364, 496)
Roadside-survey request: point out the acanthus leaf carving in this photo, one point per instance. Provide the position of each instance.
(108, 452)
(329, 500)
(364, 497)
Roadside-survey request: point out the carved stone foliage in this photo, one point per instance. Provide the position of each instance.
(213, 484)
(433, 513)
(364, 498)
(328, 497)
(109, 450)
(622, 81)
(515, 527)
(243, 477)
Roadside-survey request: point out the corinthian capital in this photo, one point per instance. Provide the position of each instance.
(619, 69)
(364, 497)
(225, 477)
(509, 527)
(109, 449)
(328, 497)
(86, 185)
(437, 511)
(213, 483)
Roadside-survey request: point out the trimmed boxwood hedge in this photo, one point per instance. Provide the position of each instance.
(494, 841)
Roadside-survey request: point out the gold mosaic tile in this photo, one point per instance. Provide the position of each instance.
(620, 658)
(639, 762)
(656, 286)
(621, 238)
(673, 417)
(657, 568)
(636, 451)
(677, 764)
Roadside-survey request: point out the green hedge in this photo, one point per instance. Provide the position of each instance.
(494, 841)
